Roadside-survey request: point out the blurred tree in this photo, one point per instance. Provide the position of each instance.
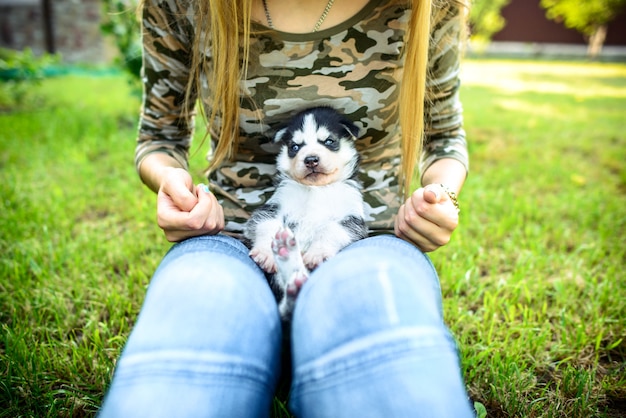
(589, 17)
(120, 21)
(486, 20)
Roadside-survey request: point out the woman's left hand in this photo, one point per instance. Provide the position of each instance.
(428, 218)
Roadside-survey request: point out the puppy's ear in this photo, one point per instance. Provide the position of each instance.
(280, 135)
(351, 128)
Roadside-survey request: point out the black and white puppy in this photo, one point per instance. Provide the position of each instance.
(317, 208)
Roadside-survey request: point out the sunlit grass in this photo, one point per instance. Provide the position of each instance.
(534, 280)
(578, 80)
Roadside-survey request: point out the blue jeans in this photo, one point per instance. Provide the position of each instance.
(367, 338)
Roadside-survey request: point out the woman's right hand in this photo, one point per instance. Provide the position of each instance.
(185, 210)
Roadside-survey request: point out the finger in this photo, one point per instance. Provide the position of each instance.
(423, 233)
(418, 207)
(438, 193)
(179, 187)
(433, 193)
(442, 214)
(209, 209)
(189, 230)
(404, 229)
(206, 217)
(169, 215)
(416, 239)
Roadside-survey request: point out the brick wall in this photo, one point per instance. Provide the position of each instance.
(75, 28)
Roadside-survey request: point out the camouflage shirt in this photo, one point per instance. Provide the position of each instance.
(355, 67)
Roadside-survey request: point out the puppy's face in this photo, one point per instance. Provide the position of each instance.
(318, 147)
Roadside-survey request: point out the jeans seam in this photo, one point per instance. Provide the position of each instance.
(193, 245)
(371, 353)
(216, 242)
(373, 242)
(144, 366)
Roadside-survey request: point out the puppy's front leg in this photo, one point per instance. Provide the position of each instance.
(328, 241)
(290, 270)
(261, 252)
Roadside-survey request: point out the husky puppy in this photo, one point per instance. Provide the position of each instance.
(317, 208)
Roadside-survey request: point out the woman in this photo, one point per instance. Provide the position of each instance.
(367, 336)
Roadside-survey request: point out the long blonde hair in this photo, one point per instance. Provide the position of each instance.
(229, 39)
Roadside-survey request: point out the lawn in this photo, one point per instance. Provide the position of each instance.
(534, 282)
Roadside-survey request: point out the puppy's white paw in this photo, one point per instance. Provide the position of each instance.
(291, 272)
(288, 302)
(285, 246)
(316, 256)
(264, 259)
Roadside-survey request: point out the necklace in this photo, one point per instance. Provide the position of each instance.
(317, 25)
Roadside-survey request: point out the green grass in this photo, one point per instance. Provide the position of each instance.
(533, 282)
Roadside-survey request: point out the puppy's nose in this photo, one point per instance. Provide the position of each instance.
(311, 161)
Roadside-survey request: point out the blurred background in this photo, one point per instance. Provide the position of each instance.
(87, 31)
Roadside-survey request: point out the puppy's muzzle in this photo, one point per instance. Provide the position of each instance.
(312, 161)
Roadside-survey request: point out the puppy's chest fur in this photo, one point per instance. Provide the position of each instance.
(310, 210)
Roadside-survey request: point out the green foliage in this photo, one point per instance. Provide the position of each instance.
(481, 411)
(485, 19)
(583, 16)
(121, 22)
(19, 69)
(23, 65)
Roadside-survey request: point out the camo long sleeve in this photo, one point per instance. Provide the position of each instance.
(165, 126)
(355, 67)
(444, 134)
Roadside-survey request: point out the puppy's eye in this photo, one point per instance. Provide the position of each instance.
(329, 141)
(295, 147)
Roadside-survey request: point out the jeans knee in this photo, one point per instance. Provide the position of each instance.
(367, 290)
(208, 333)
(382, 278)
(203, 297)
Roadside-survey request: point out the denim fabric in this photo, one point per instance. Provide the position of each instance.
(207, 340)
(367, 338)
